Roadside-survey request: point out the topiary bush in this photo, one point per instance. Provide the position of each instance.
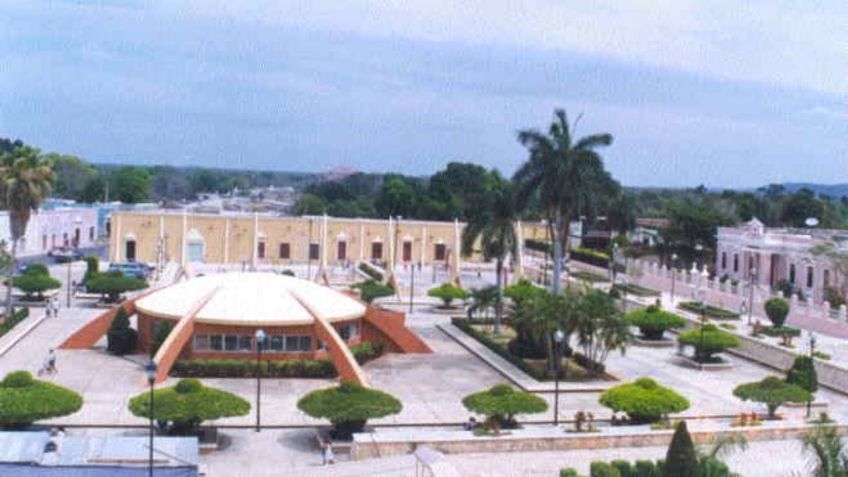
(186, 405)
(714, 340)
(681, 458)
(370, 290)
(602, 469)
(777, 309)
(121, 339)
(773, 392)
(160, 334)
(113, 284)
(24, 400)
(653, 322)
(625, 469)
(644, 400)
(92, 268)
(348, 407)
(448, 292)
(501, 403)
(35, 281)
(522, 291)
(803, 373)
(646, 468)
(569, 472)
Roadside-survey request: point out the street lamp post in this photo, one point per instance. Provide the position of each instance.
(559, 337)
(810, 373)
(68, 284)
(150, 368)
(260, 340)
(411, 286)
(751, 295)
(613, 256)
(673, 276)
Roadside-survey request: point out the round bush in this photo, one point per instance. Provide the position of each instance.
(653, 322)
(643, 400)
(773, 392)
(24, 400)
(348, 406)
(35, 283)
(186, 405)
(714, 340)
(37, 269)
(113, 284)
(501, 403)
(448, 292)
(777, 310)
(803, 373)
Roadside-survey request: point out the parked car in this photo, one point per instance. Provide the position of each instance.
(132, 269)
(65, 254)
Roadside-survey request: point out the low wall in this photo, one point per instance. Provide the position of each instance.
(367, 446)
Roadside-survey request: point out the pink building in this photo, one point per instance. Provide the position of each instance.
(770, 255)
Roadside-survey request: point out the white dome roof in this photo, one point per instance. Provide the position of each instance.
(251, 299)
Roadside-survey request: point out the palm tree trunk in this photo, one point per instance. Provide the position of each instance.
(12, 267)
(499, 304)
(557, 231)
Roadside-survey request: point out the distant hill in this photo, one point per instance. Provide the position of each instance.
(833, 190)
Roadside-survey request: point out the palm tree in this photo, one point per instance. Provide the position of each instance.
(494, 226)
(482, 300)
(825, 443)
(26, 179)
(567, 174)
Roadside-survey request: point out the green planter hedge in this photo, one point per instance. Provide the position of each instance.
(18, 315)
(710, 311)
(246, 368)
(713, 340)
(653, 322)
(633, 289)
(24, 400)
(643, 400)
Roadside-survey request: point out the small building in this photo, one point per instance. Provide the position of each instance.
(769, 256)
(53, 227)
(26, 454)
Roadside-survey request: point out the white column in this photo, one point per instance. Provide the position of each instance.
(116, 230)
(423, 243)
(183, 239)
(390, 238)
(361, 241)
(227, 240)
(324, 242)
(255, 239)
(519, 246)
(456, 249)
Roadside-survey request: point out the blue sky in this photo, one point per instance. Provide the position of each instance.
(714, 92)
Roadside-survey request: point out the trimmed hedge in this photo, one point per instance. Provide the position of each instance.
(370, 271)
(121, 339)
(246, 368)
(590, 256)
(777, 310)
(348, 406)
(366, 351)
(653, 322)
(633, 289)
(18, 316)
(24, 400)
(643, 400)
(715, 340)
(501, 403)
(710, 311)
(189, 403)
(370, 290)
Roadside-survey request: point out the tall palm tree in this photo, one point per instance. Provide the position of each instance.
(494, 226)
(568, 175)
(26, 179)
(830, 459)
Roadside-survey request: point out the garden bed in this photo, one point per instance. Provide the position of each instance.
(637, 290)
(714, 365)
(589, 277)
(661, 343)
(709, 311)
(18, 316)
(574, 368)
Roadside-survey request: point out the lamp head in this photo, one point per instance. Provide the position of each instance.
(150, 369)
(559, 336)
(260, 335)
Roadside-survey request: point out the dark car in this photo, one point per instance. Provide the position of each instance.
(65, 254)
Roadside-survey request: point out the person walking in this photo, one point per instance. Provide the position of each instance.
(327, 455)
(51, 362)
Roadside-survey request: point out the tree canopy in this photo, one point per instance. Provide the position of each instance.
(24, 400)
(773, 392)
(644, 400)
(501, 403)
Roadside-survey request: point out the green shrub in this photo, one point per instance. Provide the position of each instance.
(185, 406)
(777, 309)
(522, 291)
(625, 469)
(498, 349)
(643, 400)
(288, 273)
(121, 339)
(602, 469)
(24, 400)
(113, 284)
(773, 392)
(239, 368)
(370, 290)
(646, 468)
(709, 311)
(348, 407)
(569, 472)
(712, 467)
(633, 289)
(501, 403)
(35, 281)
(590, 277)
(816, 354)
(448, 292)
(366, 351)
(785, 333)
(714, 340)
(18, 315)
(92, 268)
(653, 322)
(371, 271)
(803, 373)
(681, 458)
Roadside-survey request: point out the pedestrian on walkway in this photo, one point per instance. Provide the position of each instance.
(327, 455)
(51, 362)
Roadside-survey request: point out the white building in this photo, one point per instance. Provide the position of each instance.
(56, 227)
(769, 255)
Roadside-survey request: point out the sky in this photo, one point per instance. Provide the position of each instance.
(715, 92)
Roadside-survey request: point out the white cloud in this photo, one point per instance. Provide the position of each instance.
(782, 43)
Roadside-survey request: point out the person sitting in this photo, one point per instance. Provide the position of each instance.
(471, 424)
